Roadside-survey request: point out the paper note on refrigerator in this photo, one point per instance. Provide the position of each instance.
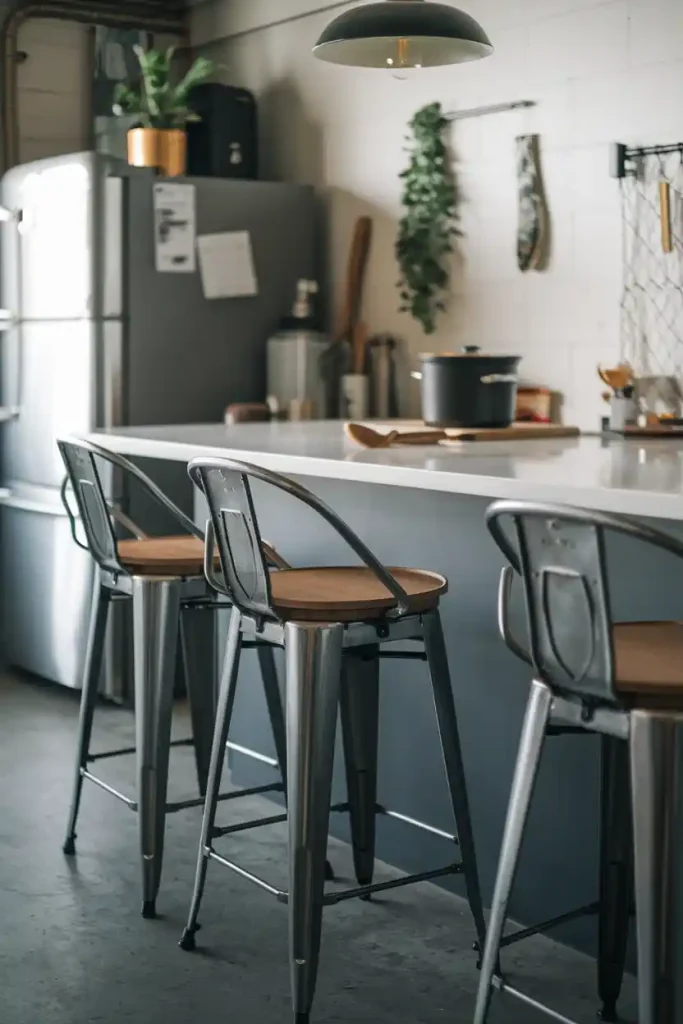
(175, 228)
(226, 263)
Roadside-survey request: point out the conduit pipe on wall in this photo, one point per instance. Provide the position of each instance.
(145, 15)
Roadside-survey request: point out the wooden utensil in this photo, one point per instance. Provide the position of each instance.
(355, 277)
(617, 378)
(369, 438)
(353, 297)
(359, 344)
(665, 216)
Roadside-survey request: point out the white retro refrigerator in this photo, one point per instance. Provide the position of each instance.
(96, 336)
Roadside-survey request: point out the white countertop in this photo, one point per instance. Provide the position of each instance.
(640, 478)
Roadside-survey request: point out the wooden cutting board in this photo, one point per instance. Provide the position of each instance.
(517, 432)
(660, 431)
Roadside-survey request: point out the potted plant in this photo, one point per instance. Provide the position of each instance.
(162, 108)
(430, 221)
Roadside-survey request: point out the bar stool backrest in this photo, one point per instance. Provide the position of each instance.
(559, 553)
(96, 515)
(234, 529)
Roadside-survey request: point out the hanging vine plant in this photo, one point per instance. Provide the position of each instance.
(430, 221)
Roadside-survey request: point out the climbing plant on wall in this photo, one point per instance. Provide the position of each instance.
(430, 220)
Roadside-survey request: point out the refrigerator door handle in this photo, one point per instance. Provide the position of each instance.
(8, 216)
(7, 500)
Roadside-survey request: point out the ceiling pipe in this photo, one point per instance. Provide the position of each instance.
(145, 15)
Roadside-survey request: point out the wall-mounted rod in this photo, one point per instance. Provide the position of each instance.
(493, 108)
(636, 151)
(621, 156)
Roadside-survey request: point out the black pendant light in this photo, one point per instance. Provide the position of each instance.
(397, 34)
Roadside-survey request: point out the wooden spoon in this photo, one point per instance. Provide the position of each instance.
(369, 438)
(617, 378)
(359, 347)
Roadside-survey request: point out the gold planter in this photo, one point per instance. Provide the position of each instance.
(174, 153)
(154, 147)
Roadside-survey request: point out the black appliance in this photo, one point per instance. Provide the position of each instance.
(224, 144)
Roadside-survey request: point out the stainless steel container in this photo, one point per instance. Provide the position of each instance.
(295, 382)
(383, 388)
(294, 378)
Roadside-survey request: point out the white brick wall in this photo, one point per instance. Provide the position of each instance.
(53, 88)
(601, 71)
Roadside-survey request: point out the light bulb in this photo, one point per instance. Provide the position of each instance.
(406, 56)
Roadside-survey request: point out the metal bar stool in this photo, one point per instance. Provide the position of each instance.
(623, 681)
(164, 579)
(331, 623)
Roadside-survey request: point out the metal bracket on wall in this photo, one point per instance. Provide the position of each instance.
(491, 108)
(623, 160)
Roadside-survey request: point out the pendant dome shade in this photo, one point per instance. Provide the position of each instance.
(403, 34)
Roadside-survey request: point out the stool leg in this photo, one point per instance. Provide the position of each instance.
(91, 681)
(359, 706)
(526, 771)
(156, 610)
(197, 640)
(271, 689)
(314, 655)
(616, 874)
(656, 742)
(450, 744)
(226, 703)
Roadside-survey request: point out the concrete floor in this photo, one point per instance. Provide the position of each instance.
(74, 949)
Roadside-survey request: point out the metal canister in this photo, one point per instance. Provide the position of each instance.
(383, 389)
(295, 383)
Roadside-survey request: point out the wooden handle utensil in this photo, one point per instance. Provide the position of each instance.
(359, 347)
(355, 278)
(665, 216)
(369, 438)
(617, 378)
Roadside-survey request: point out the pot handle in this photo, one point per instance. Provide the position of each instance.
(416, 375)
(500, 378)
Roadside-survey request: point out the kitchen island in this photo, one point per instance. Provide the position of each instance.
(425, 507)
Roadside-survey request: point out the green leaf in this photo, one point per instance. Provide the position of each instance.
(430, 220)
(156, 98)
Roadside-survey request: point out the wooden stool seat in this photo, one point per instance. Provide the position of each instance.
(163, 556)
(648, 660)
(349, 593)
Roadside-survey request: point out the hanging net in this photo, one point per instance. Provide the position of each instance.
(652, 302)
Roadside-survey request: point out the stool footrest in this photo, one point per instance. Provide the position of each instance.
(243, 873)
(402, 656)
(396, 883)
(275, 819)
(126, 751)
(132, 804)
(502, 986)
(330, 897)
(183, 805)
(546, 926)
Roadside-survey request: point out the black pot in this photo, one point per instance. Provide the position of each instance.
(469, 389)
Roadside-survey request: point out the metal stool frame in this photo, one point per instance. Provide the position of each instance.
(329, 665)
(160, 606)
(559, 554)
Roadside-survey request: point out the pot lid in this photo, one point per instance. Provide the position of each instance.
(468, 352)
